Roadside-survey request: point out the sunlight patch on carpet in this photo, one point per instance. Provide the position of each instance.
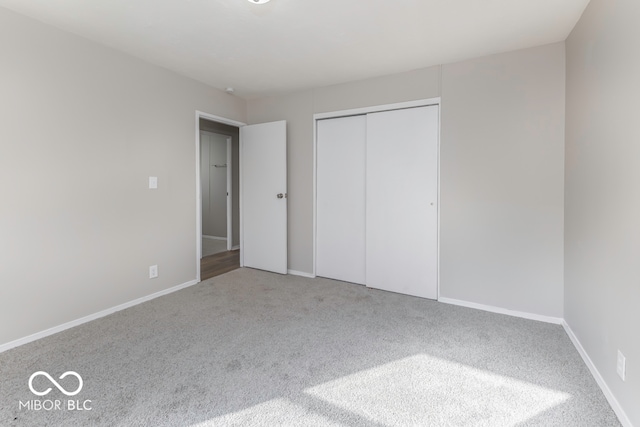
(422, 388)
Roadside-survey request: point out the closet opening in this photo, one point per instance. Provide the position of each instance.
(376, 210)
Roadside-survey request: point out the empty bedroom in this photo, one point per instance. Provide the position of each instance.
(319, 213)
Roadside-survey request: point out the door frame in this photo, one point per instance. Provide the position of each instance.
(229, 195)
(211, 117)
(365, 110)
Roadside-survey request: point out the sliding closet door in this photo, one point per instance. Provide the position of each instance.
(401, 209)
(340, 211)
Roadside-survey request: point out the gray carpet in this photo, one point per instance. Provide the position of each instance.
(250, 348)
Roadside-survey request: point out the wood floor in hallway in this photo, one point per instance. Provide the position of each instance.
(220, 263)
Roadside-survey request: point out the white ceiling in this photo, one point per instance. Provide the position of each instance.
(286, 45)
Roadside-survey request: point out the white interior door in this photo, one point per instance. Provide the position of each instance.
(263, 181)
(402, 190)
(340, 195)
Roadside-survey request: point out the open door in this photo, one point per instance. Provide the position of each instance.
(263, 181)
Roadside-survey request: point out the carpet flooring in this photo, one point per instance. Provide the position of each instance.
(250, 348)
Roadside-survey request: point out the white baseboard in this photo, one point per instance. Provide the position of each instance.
(524, 315)
(214, 237)
(301, 273)
(615, 405)
(108, 311)
(235, 248)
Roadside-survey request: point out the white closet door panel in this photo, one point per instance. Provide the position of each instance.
(340, 220)
(402, 188)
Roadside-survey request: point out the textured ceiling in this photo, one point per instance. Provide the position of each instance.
(286, 45)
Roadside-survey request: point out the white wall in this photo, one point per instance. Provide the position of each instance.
(79, 226)
(417, 84)
(501, 210)
(602, 237)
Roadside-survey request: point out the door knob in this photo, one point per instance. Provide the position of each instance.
(280, 195)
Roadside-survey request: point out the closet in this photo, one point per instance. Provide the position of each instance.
(376, 194)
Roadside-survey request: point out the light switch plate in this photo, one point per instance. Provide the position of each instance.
(153, 182)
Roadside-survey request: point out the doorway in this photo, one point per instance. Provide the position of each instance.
(258, 206)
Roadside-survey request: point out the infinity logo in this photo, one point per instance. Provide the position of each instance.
(55, 383)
